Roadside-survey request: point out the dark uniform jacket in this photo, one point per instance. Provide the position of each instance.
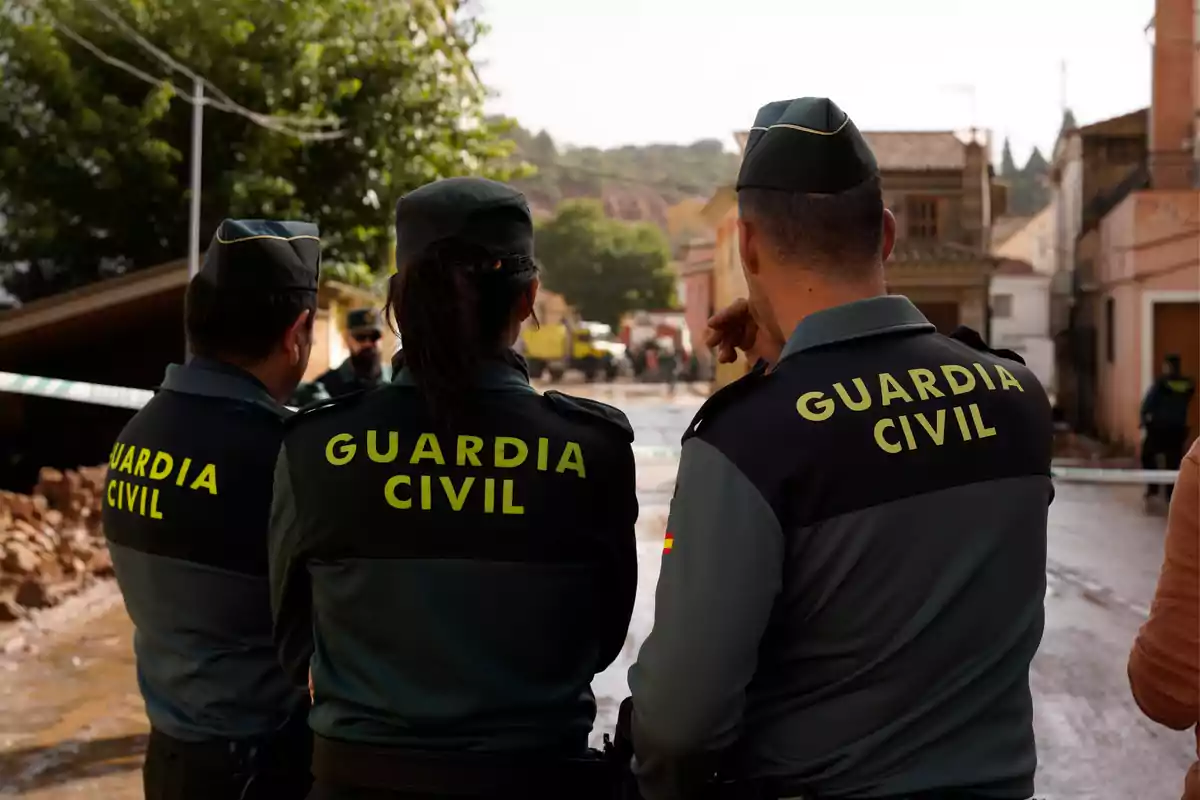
(1166, 403)
(854, 582)
(336, 382)
(466, 586)
(186, 511)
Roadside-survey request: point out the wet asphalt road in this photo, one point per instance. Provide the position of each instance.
(71, 721)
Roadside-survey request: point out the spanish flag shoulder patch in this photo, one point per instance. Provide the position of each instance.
(669, 542)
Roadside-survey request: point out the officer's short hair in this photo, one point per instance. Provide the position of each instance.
(840, 234)
(243, 325)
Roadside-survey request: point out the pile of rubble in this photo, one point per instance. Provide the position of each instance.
(51, 544)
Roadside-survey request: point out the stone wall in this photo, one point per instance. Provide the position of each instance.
(51, 543)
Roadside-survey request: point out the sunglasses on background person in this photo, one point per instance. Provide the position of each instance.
(368, 336)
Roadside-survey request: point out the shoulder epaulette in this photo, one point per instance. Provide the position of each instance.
(725, 397)
(591, 410)
(972, 339)
(322, 406)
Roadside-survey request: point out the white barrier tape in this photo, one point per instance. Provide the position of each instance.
(124, 397)
(90, 393)
(1139, 477)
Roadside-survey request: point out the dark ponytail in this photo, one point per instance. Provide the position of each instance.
(451, 309)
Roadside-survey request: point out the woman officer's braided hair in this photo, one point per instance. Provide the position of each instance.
(451, 308)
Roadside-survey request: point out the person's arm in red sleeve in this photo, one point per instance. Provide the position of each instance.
(1164, 667)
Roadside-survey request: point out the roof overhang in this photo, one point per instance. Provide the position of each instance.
(106, 295)
(1132, 123)
(718, 205)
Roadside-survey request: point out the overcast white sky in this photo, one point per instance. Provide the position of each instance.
(610, 72)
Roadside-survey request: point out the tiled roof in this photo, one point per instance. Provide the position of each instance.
(909, 252)
(916, 150)
(1005, 228)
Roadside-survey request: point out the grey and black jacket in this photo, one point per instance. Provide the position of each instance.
(186, 510)
(336, 382)
(854, 585)
(463, 586)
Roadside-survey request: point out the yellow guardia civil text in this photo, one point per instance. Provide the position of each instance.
(915, 427)
(136, 473)
(413, 490)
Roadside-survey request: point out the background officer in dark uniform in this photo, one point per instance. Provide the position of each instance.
(461, 547)
(364, 369)
(186, 512)
(855, 580)
(1165, 420)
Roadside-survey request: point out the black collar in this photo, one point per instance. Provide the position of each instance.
(875, 316)
(206, 377)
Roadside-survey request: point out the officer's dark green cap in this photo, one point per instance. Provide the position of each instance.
(807, 146)
(263, 256)
(481, 214)
(362, 319)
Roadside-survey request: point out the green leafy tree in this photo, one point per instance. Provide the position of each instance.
(94, 162)
(604, 267)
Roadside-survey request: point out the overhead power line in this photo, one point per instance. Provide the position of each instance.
(221, 103)
(657, 183)
(132, 35)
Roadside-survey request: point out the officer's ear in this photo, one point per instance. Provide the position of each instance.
(748, 243)
(297, 337)
(527, 299)
(889, 234)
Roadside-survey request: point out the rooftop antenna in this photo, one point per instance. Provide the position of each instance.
(969, 90)
(1062, 86)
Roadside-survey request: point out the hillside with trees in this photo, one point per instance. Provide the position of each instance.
(633, 183)
(1028, 188)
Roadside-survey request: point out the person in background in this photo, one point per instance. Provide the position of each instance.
(460, 547)
(186, 511)
(1165, 420)
(365, 368)
(850, 598)
(668, 363)
(1164, 666)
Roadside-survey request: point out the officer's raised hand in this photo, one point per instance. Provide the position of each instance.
(734, 328)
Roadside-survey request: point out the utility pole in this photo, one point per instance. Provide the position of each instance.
(197, 155)
(194, 220)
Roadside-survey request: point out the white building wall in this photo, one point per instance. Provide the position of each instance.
(1021, 321)
(1042, 256)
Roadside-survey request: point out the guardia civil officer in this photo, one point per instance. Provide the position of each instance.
(460, 546)
(853, 588)
(363, 369)
(1164, 416)
(186, 509)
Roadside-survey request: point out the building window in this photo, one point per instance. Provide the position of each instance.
(1002, 306)
(1110, 334)
(921, 215)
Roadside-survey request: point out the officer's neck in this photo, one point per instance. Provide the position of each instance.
(802, 298)
(274, 377)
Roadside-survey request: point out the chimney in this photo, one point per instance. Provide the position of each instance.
(1173, 98)
(977, 194)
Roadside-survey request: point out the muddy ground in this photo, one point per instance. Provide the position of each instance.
(71, 720)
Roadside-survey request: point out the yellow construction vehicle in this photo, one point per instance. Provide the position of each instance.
(589, 347)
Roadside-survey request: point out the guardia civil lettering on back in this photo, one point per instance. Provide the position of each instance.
(461, 546)
(852, 588)
(186, 509)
